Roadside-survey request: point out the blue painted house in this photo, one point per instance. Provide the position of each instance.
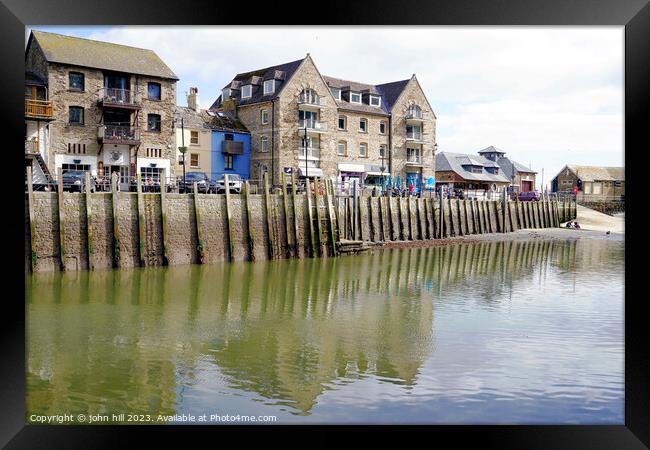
(230, 146)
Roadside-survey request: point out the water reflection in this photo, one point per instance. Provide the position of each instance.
(281, 334)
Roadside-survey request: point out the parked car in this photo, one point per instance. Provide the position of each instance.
(529, 196)
(200, 178)
(234, 181)
(74, 181)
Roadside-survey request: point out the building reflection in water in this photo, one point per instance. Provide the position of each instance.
(115, 341)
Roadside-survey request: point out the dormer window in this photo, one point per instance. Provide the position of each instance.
(355, 97)
(375, 100)
(247, 91)
(225, 94)
(269, 87)
(336, 92)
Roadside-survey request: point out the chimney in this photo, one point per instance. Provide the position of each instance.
(193, 99)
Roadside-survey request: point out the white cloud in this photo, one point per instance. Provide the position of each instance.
(549, 96)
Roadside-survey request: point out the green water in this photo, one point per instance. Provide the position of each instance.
(514, 332)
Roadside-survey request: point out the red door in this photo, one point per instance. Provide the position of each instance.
(526, 186)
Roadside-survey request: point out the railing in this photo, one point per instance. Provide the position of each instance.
(415, 135)
(38, 108)
(31, 146)
(312, 152)
(311, 124)
(309, 99)
(117, 134)
(414, 114)
(232, 147)
(115, 96)
(417, 159)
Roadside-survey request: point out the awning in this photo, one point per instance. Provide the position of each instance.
(311, 172)
(359, 168)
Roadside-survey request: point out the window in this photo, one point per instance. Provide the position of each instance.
(342, 148)
(413, 155)
(76, 115)
(363, 149)
(194, 160)
(150, 173)
(375, 100)
(414, 132)
(247, 91)
(227, 162)
(363, 125)
(76, 81)
(225, 94)
(153, 152)
(153, 122)
(382, 151)
(382, 127)
(269, 87)
(355, 97)
(153, 91)
(264, 144)
(194, 137)
(78, 149)
(228, 137)
(265, 116)
(66, 167)
(342, 123)
(336, 92)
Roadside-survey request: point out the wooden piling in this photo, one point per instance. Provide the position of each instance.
(330, 218)
(319, 232)
(267, 216)
(199, 229)
(285, 207)
(116, 229)
(61, 221)
(361, 216)
(249, 221)
(461, 222)
(231, 245)
(371, 221)
(295, 215)
(163, 215)
(89, 221)
(310, 214)
(141, 234)
(32, 226)
(380, 210)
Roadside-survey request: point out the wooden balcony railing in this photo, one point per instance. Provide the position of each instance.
(38, 108)
(119, 134)
(117, 97)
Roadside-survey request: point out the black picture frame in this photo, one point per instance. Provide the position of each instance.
(633, 14)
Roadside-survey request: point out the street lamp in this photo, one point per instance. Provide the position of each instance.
(182, 148)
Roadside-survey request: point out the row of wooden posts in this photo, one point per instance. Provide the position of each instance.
(438, 224)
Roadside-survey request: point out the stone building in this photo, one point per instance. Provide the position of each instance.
(590, 182)
(301, 121)
(469, 172)
(111, 105)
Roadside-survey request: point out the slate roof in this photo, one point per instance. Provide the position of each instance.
(389, 93)
(446, 161)
(490, 149)
(281, 72)
(507, 163)
(75, 51)
(208, 119)
(597, 173)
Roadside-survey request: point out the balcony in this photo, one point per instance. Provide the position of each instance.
(313, 153)
(232, 147)
(310, 102)
(414, 136)
(118, 98)
(38, 109)
(414, 116)
(31, 146)
(118, 134)
(312, 126)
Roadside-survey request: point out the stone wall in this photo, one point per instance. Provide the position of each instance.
(285, 235)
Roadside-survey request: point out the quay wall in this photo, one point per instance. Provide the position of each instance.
(176, 229)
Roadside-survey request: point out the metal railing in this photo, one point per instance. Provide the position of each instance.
(312, 152)
(309, 99)
(116, 134)
(415, 135)
(414, 114)
(116, 96)
(38, 108)
(312, 124)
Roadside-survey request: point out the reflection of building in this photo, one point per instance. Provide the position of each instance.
(111, 105)
(322, 126)
(593, 183)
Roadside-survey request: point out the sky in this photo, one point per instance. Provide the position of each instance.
(547, 96)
